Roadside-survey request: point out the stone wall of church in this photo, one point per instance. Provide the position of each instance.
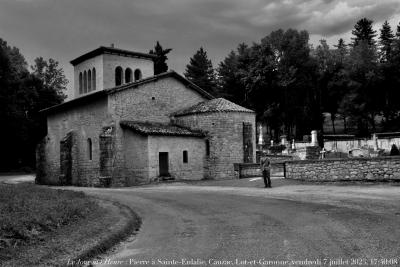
(148, 102)
(85, 121)
(193, 169)
(225, 137)
(136, 158)
(153, 102)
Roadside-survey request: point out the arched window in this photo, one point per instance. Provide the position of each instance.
(128, 75)
(118, 76)
(89, 80)
(138, 74)
(89, 148)
(80, 83)
(94, 79)
(84, 82)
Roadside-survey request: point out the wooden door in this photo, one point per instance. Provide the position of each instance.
(163, 162)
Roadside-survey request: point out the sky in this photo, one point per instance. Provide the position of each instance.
(66, 29)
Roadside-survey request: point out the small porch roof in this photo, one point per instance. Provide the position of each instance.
(153, 128)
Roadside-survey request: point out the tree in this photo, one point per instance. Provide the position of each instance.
(390, 83)
(231, 75)
(363, 31)
(22, 95)
(386, 39)
(160, 63)
(289, 84)
(51, 75)
(327, 69)
(341, 51)
(300, 99)
(398, 31)
(365, 78)
(200, 72)
(396, 47)
(276, 78)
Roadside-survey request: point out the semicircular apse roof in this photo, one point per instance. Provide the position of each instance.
(213, 105)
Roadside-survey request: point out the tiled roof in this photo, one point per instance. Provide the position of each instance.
(151, 128)
(98, 94)
(110, 50)
(213, 105)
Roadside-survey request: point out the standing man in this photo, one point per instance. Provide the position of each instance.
(265, 166)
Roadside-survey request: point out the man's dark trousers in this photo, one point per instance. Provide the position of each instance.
(267, 179)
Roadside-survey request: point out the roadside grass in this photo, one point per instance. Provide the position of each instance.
(43, 226)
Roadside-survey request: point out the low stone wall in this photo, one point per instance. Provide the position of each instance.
(355, 169)
(246, 170)
(249, 170)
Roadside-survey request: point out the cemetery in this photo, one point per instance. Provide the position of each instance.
(341, 158)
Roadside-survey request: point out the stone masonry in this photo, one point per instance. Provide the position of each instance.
(88, 144)
(153, 101)
(225, 131)
(384, 168)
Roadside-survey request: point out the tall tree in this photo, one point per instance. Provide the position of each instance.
(390, 84)
(337, 84)
(398, 31)
(396, 44)
(22, 95)
(341, 51)
(363, 31)
(365, 78)
(328, 66)
(52, 76)
(296, 80)
(160, 63)
(200, 71)
(276, 78)
(386, 39)
(231, 75)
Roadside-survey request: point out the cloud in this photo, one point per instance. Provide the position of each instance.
(341, 16)
(322, 17)
(65, 29)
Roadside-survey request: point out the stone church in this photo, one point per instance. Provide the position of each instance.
(126, 126)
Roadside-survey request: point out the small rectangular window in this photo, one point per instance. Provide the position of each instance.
(208, 148)
(185, 156)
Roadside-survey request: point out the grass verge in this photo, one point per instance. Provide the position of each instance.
(41, 226)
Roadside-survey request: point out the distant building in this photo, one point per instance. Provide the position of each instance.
(126, 126)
